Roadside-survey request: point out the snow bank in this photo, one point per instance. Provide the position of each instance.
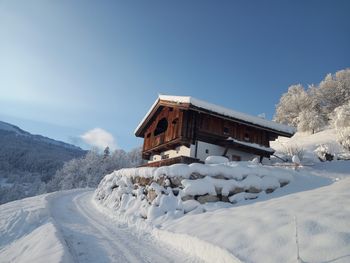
(253, 224)
(229, 170)
(310, 143)
(254, 227)
(169, 192)
(195, 246)
(28, 233)
(265, 231)
(40, 245)
(216, 160)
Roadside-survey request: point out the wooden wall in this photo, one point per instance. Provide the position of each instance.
(189, 125)
(208, 125)
(174, 117)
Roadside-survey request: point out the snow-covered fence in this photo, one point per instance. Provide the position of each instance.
(180, 188)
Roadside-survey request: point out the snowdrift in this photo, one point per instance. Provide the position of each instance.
(266, 231)
(239, 211)
(172, 191)
(28, 232)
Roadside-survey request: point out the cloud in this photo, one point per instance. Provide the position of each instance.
(99, 138)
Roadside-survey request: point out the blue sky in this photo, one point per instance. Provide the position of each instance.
(67, 67)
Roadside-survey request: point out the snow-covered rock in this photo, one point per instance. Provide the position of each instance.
(160, 193)
(190, 205)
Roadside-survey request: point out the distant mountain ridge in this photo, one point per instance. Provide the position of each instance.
(4, 126)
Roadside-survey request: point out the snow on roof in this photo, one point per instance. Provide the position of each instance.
(222, 111)
(252, 145)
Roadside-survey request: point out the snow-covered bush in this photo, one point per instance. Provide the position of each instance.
(324, 152)
(341, 122)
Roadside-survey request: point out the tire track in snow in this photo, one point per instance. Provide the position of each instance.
(91, 237)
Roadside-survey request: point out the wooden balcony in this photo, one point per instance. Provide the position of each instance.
(174, 160)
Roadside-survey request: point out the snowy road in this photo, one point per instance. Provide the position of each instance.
(93, 237)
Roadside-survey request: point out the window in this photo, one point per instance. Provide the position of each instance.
(206, 151)
(162, 126)
(226, 131)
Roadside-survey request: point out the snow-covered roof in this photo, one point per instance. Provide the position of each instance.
(220, 110)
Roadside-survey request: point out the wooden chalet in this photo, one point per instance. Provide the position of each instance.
(180, 129)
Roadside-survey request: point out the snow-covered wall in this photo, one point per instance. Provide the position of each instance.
(172, 191)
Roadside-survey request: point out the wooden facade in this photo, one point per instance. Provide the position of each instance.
(170, 125)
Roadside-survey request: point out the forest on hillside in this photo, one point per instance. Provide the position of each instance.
(32, 164)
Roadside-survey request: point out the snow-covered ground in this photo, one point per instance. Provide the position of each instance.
(310, 214)
(309, 143)
(314, 205)
(28, 234)
(265, 231)
(67, 227)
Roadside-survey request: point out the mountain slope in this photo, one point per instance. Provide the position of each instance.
(27, 161)
(4, 126)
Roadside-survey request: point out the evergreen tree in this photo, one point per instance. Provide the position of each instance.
(106, 152)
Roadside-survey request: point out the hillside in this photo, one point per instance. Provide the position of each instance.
(308, 141)
(219, 212)
(27, 160)
(257, 225)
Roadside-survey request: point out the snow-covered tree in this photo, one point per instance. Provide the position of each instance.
(341, 122)
(291, 105)
(334, 90)
(106, 152)
(311, 110)
(311, 120)
(90, 169)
